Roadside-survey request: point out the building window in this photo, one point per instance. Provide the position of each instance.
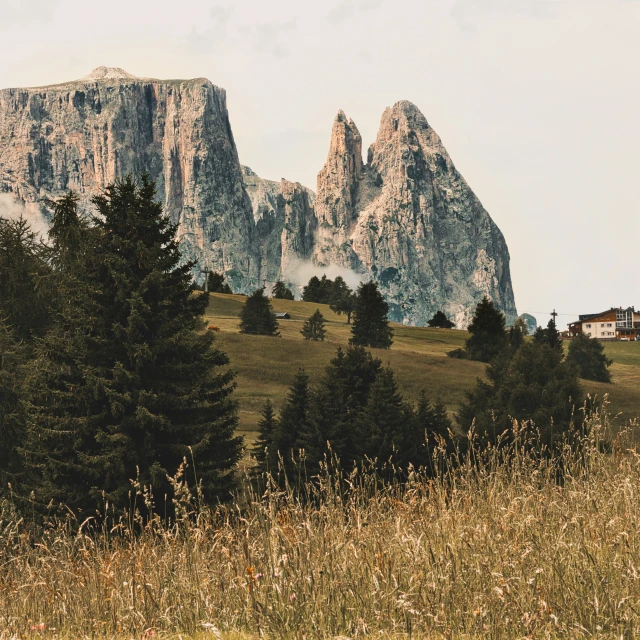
(588, 326)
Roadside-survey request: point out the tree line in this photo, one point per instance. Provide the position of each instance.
(355, 412)
(370, 326)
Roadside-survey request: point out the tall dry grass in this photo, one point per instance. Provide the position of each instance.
(498, 550)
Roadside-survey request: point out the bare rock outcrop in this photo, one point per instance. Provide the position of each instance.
(336, 202)
(82, 135)
(409, 220)
(285, 226)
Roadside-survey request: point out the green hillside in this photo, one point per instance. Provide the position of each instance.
(266, 365)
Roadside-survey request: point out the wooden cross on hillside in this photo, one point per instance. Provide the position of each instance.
(554, 315)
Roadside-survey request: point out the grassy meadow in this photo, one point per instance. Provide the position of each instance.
(266, 365)
(499, 551)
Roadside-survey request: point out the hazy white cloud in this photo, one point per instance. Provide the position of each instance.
(11, 209)
(27, 12)
(268, 37)
(216, 34)
(348, 8)
(299, 272)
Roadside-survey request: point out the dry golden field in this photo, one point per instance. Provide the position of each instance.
(499, 550)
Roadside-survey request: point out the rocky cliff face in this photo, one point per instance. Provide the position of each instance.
(408, 219)
(405, 218)
(285, 225)
(84, 134)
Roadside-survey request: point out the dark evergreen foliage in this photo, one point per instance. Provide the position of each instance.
(487, 329)
(370, 322)
(294, 420)
(25, 282)
(217, 284)
(257, 317)
(342, 394)
(280, 291)
(264, 449)
(319, 290)
(381, 422)
(126, 384)
(12, 421)
(532, 384)
(441, 321)
(550, 336)
(587, 354)
(313, 327)
(343, 299)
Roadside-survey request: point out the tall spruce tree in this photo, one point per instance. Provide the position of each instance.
(257, 317)
(280, 291)
(550, 336)
(25, 282)
(370, 322)
(588, 356)
(488, 336)
(381, 423)
(313, 327)
(336, 404)
(264, 449)
(293, 421)
(127, 385)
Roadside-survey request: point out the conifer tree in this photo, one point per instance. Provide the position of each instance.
(370, 322)
(550, 336)
(217, 283)
(11, 413)
(587, 355)
(441, 321)
(293, 420)
(126, 385)
(25, 294)
(487, 329)
(341, 396)
(313, 327)
(342, 299)
(532, 385)
(381, 422)
(430, 428)
(264, 448)
(280, 291)
(257, 317)
(312, 291)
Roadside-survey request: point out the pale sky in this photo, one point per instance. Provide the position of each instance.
(537, 102)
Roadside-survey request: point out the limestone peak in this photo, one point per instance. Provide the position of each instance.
(109, 73)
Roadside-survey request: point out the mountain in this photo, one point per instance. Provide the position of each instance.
(406, 217)
(82, 135)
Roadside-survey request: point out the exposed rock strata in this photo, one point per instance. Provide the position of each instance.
(82, 135)
(406, 217)
(285, 225)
